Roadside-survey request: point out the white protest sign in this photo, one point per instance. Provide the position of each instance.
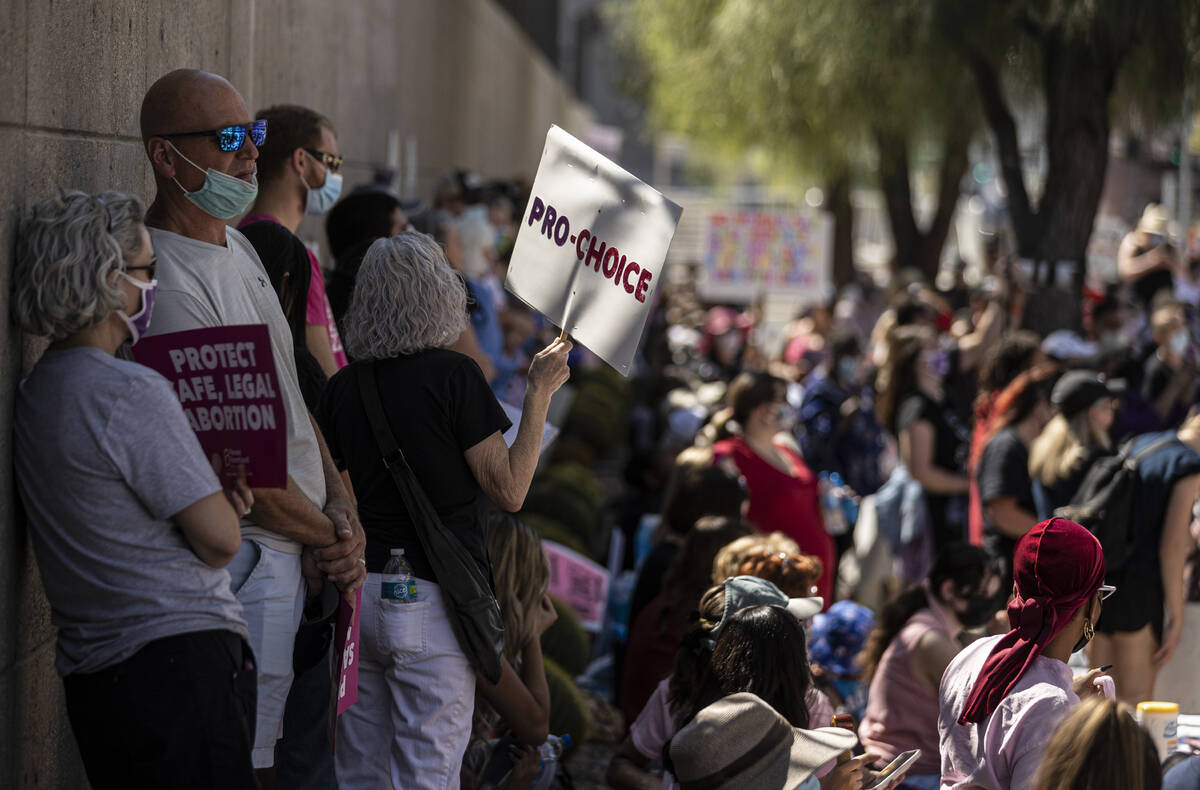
(590, 251)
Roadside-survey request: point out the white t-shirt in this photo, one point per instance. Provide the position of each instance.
(204, 285)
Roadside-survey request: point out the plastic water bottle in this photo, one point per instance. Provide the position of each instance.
(398, 582)
(551, 753)
(846, 499)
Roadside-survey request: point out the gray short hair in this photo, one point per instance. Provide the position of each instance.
(406, 299)
(67, 246)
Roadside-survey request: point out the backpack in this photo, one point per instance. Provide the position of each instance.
(1104, 502)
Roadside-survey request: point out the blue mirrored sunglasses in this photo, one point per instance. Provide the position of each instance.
(231, 138)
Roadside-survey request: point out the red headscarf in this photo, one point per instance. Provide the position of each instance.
(1058, 566)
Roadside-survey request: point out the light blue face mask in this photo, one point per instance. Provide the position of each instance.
(223, 196)
(323, 197)
(847, 369)
(1180, 342)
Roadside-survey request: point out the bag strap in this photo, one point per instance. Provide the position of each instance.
(393, 457)
(1132, 462)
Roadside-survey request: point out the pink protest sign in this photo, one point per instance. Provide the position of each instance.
(227, 384)
(346, 647)
(578, 582)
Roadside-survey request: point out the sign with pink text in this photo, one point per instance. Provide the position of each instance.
(227, 384)
(579, 583)
(590, 251)
(346, 649)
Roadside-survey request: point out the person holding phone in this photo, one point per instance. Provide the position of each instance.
(1002, 697)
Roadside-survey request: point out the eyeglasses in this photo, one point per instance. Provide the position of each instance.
(332, 161)
(230, 138)
(149, 267)
(1106, 591)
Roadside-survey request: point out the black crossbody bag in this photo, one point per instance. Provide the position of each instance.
(475, 614)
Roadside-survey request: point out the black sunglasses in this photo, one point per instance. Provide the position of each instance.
(230, 138)
(149, 267)
(332, 161)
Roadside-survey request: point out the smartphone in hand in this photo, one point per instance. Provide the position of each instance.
(894, 771)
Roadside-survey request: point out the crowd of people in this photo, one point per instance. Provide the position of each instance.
(845, 546)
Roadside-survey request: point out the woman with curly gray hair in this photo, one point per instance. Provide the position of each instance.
(415, 685)
(129, 523)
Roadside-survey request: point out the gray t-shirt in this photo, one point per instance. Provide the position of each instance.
(104, 457)
(203, 285)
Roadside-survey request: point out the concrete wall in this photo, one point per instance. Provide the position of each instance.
(456, 74)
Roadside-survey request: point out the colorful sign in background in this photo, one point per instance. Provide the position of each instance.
(749, 252)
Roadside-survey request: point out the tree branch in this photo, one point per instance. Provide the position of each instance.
(1004, 129)
(1031, 26)
(897, 194)
(954, 163)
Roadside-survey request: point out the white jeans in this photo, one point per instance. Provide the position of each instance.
(270, 587)
(416, 694)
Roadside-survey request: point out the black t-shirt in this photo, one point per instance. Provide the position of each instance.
(961, 387)
(1156, 377)
(1060, 492)
(1146, 287)
(438, 405)
(947, 514)
(1004, 472)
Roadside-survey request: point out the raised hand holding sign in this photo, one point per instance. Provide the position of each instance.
(591, 248)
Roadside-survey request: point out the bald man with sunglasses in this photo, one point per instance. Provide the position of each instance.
(203, 147)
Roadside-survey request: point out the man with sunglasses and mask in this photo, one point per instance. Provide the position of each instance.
(202, 146)
(300, 174)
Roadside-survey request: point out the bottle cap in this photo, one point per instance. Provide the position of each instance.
(567, 740)
(1158, 707)
(397, 552)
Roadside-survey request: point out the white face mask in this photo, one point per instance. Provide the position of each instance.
(139, 322)
(1180, 342)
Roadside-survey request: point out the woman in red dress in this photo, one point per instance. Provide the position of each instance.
(784, 492)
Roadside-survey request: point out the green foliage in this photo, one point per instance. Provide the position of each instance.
(555, 502)
(569, 709)
(578, 479)
(596, 418)
(566, 642)
(809, 81)
(549, 529)
(570, 449)
(605, 378)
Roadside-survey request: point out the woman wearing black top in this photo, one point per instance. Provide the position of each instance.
(1005, 488)
(1073, 439)
(1143, 621)
(932, 442)
(412, 720)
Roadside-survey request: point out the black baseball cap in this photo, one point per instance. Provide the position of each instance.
(1079, 389)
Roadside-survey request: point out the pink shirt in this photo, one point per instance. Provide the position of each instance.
(317, 309)
(1003, 751)
(902, 707)
(655, 726)
(319, 312)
